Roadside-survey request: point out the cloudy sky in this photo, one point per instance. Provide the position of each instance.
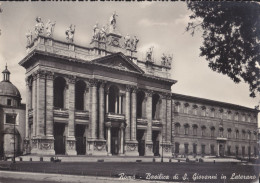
(157, 24)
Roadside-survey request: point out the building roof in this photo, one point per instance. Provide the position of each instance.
(176, 96)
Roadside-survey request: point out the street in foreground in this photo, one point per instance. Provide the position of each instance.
(176, 172)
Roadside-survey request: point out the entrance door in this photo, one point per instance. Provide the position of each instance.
(155, 138)
(114, 141)
(59, 139)
(80, 139)
(141, 142)
(221, 150)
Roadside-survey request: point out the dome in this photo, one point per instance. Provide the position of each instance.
(8, 89)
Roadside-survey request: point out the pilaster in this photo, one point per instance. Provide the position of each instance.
(148, 140)
(101, 111)
(169, 119)
(127, 113)
(41, 110)
(71, 141)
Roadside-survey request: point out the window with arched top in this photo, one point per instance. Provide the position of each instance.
(80, 89)
(243, 134)
(203, 130)
(140, 107)
(186, 129)
(249, 135)
(203, 111)
(243, 117)
(195, 109)
(156, 106)
(212, 112)
(177, 128)
(249, 118)
(229, 130)
(212, 131)
(237, 134)
(194, 129)
(229, 115)
(177, 106)
(221, 113)
(186, 108)
(59, 92)
(221, 132)
(236, 116)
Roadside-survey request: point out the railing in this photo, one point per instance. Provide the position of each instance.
(115, 117)
(59, 112)
(30, 113)
(141, 121)
(157, 122)
(82, 114)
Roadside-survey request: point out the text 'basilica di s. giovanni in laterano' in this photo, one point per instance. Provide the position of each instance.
(103, 100)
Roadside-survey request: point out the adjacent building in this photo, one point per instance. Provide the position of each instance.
(12, 118)
(102, 100)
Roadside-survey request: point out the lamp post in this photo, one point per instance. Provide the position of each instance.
(162, 149)
(14, 137)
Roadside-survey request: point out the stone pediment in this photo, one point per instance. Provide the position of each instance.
(118, 61)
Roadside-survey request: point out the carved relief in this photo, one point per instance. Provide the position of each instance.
(131, 147)
(100, 146)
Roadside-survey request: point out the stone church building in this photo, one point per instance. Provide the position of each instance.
(102, 100)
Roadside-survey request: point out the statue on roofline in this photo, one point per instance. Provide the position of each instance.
(70, 33)
(50, 28)
(134, 42)
(29, 36)
(166, 60)
(103, 33)
(149, 54)
(112, 20)
(39, 27)
(96, 32)
(127, 42)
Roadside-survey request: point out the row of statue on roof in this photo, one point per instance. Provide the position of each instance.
(165, 60)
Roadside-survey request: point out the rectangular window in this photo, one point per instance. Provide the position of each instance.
(9, 102)
(194, 131)
(186, 130)
(212, 149)
(237, 150)
(212, 134)
(202, 149)
(186, 148)
(229, 134)
(10, 118)
(177, 147)
(255, 151)
(249, 150)
(243, 151)
(229, 150)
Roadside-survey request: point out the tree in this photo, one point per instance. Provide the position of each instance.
(231, 32)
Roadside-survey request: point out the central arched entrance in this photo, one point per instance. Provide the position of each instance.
(59, 138)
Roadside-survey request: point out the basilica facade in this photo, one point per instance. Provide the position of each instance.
(103, 100)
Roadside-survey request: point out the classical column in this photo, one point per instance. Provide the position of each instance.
(49, 105)
(169, 119)
(94, 110)
(133, 115)
(107, 102)
(148, 140)
(101, 111)
(28, 98)
(163, 112)
(116, 108)
(71, 145)
(127, 113)
(120, 104)
(108, 128)
(34, 103)
(217, 148)
(41, 110)
(122, 127)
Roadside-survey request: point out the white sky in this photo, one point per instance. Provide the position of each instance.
(158, 24)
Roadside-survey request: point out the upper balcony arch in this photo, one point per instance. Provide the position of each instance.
(156, 106)
(141, 104)
(80, 90)
(59, 91)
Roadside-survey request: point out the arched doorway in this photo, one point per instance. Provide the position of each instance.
(156, 106)
(59, 138)
(140, 107)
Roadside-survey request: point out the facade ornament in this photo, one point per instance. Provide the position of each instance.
(93, 82)
(70, 33)
(50, 28)
(128, 88)
(39, 27)
(96, 32)
(134, 43)
(166, 60)
(127, 42)
(103, 33)
(72, 79)
(112, 20)
(29, 36)
(50, 75)
(149, 54)
(149, 93)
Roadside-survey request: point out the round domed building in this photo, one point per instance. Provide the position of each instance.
(12, 118)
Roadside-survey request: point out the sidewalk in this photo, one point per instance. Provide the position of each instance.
(65, 158)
